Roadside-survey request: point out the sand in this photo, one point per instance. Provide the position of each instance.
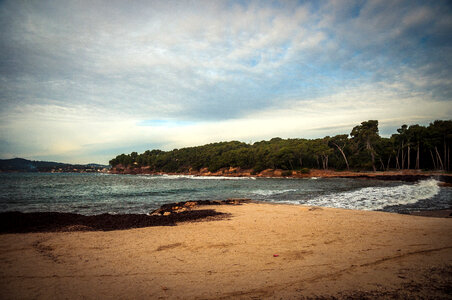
(257, 251)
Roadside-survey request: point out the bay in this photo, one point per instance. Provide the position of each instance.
(98, 193)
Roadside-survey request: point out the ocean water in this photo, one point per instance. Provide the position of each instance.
(90, 194)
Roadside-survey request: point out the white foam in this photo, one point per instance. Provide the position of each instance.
(271, 192)
(223, 178)
(195, 177)
(374, 198)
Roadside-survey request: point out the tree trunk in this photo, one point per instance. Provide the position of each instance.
(373, 161)
(369, 147)
(324, 161)
(417, 157)
(382, 164)
(290, 163)
(403, 158)
(408, 161)
(389, 159)
(433, 159)
(343, 155)
(439, 158)
(445, 157)
(448, 158)
(397, 159)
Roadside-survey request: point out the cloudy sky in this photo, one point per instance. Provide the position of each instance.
(83, 81)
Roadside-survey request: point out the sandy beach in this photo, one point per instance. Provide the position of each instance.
(254, 251)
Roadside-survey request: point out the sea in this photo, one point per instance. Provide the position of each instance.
(97, 193)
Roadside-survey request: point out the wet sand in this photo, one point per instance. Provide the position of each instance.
(255, 251)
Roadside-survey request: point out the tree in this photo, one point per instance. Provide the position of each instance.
(321, 149)
(340, 142)
(385, 149)
(440, 136)
(402, 141)
(365, 136)
(416, 135)
(365, 149)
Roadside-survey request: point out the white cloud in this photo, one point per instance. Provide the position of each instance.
(80, 77)
(64, 132)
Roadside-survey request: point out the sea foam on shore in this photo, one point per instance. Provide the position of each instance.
(377, 198)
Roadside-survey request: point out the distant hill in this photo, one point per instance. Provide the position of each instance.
(25, 165)
(93, 165)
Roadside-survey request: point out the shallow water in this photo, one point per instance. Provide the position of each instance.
(104, 193)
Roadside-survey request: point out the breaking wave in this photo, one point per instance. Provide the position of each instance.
(271, 192)
(376, 198)
(195, 177)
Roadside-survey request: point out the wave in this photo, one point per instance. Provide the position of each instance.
(195, 177)
(377, 198)
(271, 192)
(148, 193)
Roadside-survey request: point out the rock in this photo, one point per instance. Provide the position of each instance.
(16, 222)
(184, 206)
(236, 201)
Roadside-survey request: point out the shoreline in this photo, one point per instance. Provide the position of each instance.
(259, 250)
(396, 175)
(167, 215)
(402, 175)
(170, 214)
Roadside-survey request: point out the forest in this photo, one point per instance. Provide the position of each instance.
(411, 147)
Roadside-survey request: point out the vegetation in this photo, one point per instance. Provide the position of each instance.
(24, 165)
(412, 146)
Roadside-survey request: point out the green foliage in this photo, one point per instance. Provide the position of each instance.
(412, 146)
(365, 137)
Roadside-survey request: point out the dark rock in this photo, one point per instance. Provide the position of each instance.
(182, 206)
(17, 222)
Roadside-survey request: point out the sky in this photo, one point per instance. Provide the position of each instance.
(84, 81)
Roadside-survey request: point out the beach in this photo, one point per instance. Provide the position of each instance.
(251, 251)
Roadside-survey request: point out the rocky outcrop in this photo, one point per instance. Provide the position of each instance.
(167, 215)
(178, 207)
(405, 175)
(17, 222)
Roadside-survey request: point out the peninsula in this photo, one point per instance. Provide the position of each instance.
(414, 152)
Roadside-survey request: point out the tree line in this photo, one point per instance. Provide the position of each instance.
(412, 147)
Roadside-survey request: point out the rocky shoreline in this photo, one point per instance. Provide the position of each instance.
(167, 215)
(405, 175)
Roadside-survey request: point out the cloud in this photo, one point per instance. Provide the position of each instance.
(101, 73)
(67, 135)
